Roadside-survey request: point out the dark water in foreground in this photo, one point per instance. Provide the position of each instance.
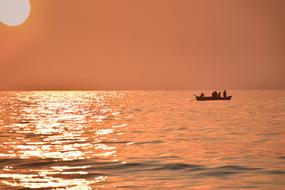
(141, 140)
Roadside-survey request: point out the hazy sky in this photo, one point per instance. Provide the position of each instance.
(145, 44)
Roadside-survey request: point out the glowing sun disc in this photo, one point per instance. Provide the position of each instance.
(14, 12)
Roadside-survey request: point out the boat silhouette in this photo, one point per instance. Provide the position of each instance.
(210, 98)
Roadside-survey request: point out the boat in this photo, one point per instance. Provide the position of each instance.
(210, 98)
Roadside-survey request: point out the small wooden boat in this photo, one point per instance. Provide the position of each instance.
(209, 98)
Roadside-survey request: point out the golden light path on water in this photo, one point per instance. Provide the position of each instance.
(60, 127)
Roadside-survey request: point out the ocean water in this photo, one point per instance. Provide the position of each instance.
(141, 140)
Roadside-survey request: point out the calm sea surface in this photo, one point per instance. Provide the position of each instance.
(141, 140)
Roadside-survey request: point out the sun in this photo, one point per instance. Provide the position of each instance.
(14, 12)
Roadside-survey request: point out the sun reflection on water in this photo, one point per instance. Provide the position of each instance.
(58, 128)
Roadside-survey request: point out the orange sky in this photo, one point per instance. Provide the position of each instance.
(145, 44)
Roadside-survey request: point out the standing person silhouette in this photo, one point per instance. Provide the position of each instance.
(225, 93)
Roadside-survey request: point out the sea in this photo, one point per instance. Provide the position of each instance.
(141, 140)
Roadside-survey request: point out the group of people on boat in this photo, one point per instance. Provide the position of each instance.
(216, 94)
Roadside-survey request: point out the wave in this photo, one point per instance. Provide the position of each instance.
(95, 167)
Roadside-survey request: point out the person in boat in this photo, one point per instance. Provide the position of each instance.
(202, 94)
(219, 94)
(225, 93)
(214, 94)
